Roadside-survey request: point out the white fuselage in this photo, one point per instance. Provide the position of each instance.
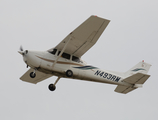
(43, 61)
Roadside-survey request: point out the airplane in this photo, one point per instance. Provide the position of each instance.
(64, 61)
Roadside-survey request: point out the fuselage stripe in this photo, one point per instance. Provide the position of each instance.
(60, 62)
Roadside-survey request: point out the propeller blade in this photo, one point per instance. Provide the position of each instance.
(21, 48)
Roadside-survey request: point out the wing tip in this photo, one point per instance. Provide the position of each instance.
(100, 17)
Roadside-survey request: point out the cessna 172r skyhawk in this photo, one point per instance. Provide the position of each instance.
(65, 61)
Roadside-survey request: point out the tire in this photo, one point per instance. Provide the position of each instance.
(32, 75)
(52, 87)
(69, 73)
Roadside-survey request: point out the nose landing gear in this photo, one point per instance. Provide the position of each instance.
(33, 74)
(52, 87)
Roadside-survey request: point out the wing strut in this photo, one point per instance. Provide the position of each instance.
(61, 52)
(57, 80)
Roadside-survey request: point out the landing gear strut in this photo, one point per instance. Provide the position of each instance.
(52, 87)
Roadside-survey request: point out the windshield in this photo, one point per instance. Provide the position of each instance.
(52, 51)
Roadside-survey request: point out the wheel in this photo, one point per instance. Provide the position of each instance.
(52, 87)
(32, 75)
(69, 73)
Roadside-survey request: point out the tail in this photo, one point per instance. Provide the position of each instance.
(135, 77)
(141, 67)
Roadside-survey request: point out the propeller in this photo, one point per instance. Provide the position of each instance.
(21, 50)
(23, 53)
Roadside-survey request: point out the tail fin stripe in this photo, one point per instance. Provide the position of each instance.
(137, 69)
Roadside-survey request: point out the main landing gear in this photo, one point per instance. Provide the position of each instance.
(69, 73)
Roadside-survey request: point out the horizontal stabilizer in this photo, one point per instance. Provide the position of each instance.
(136, 80)
(124, 89)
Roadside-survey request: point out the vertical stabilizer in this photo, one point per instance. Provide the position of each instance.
(141, 67)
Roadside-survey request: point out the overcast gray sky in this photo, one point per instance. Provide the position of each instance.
(130, 37)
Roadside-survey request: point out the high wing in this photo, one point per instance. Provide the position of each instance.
(84, 36)
(39, 76)
(136, 79)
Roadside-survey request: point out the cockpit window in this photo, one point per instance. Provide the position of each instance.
(65, 55)
(53, 51)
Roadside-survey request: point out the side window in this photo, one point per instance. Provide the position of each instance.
(76, 59)
(65, 55)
